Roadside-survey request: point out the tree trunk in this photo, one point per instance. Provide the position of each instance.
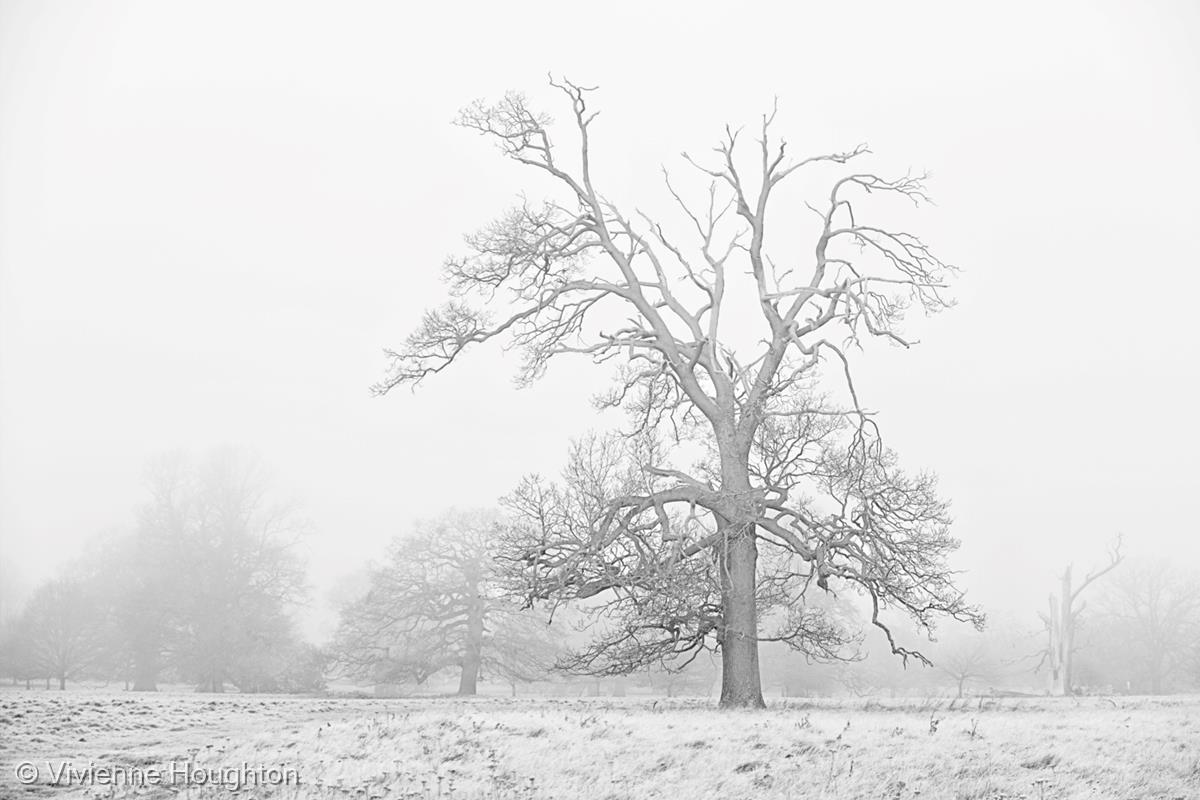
(741, 685)
(468, 680)
(1061, 623)
(1066, 632)
(62, 682)
(1158, 671)
(737, 562)
(146, 650)
(214, 684)
(472, 656)
(145, 675)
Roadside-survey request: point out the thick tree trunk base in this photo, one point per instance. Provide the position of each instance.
(468, 681)
(472, 657)
(739, 702)
(741, 684)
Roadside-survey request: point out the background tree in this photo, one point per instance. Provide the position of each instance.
(576, 275)
(148, 603)
(17, 657)
(1062, 621)
(63, 627)
(140, 576)
(697, 679)
(522, 650)
(279, 661)
(241, 571)
(438, 603)
(1155, 606)
(203, 586)
(792, 674)
(968, 658)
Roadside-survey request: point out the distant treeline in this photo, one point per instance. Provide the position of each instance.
(198, 591)
(201, 590)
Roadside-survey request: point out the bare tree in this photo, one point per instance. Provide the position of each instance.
(522, 649)
(62, 624)
(439, 603)
(969, 658)
(237, 568)
(18, 656)
(1158, 605)
(1062, 620)
(203, 585)
(576, 275)
(140, 575)
(697, 679)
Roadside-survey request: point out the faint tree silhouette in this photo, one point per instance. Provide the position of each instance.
(1159, 606)
(1062, 620)
(440, 602)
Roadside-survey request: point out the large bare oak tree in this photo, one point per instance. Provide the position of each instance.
(671, 311)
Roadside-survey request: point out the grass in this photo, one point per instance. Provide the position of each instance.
(342, 749)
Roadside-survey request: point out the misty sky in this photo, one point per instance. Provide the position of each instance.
(213, 217)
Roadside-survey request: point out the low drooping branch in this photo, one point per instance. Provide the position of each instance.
(642, 536)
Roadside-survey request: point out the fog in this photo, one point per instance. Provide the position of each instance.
(214, 217)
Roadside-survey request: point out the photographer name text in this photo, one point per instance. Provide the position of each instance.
(172, 773)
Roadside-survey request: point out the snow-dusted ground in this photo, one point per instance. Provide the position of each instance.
(1127, 748)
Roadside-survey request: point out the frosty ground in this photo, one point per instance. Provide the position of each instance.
(987, 749)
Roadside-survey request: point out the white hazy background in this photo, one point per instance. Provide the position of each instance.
(214, 215)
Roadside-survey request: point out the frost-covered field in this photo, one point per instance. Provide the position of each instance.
(1124, 748)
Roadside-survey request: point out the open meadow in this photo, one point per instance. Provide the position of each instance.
(1125, 748)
